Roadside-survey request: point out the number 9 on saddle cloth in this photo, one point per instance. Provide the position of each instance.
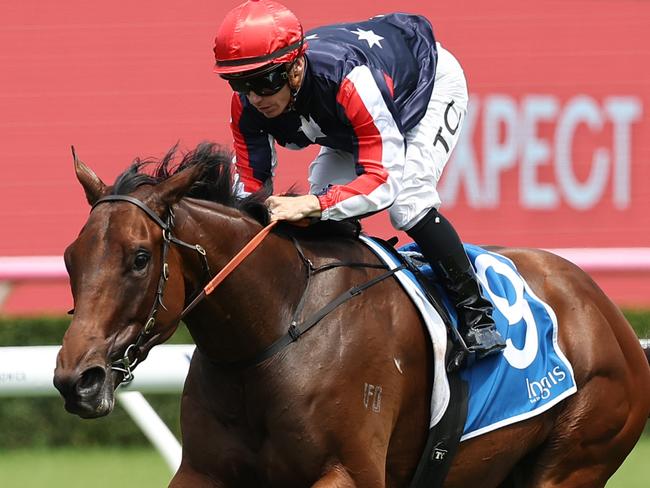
(532, 374)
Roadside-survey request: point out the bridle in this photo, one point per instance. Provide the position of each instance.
(296, 328)
(131, 355)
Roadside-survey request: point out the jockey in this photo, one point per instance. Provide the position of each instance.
(385, 102)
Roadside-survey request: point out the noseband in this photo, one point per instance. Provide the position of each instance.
(131, 356)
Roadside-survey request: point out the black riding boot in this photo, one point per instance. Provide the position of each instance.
(442, 247)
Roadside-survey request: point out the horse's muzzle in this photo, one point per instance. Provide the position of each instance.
(88, 394)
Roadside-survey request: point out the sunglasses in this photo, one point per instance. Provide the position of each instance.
(264, 85)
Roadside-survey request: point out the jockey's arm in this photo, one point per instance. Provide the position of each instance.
(255, 157)
(293, 208)
(379, 148)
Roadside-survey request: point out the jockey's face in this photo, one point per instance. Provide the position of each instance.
(272, 105)
(276, 103)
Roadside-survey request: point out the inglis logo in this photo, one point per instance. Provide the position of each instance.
(541, 389)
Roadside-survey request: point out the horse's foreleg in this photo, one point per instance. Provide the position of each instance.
(336, 477)
(339, 477)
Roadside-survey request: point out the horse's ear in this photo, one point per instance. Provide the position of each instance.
(92, 185)
(174, 188)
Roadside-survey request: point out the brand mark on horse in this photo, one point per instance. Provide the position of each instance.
(372, 397)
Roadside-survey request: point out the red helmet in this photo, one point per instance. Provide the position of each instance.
(257, 33)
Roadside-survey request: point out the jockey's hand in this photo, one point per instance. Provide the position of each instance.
(293, 208)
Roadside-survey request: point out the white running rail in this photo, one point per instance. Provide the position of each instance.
(29, 371)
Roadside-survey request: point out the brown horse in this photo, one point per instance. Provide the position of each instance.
(298, 418)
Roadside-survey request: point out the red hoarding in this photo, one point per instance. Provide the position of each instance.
(555, 149)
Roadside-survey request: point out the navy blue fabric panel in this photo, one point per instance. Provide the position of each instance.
(399, 46)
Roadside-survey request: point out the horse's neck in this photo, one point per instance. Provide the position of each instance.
(252, 306)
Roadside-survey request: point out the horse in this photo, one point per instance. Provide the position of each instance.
(297, 417)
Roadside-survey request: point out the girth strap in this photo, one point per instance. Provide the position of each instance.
(296, 330)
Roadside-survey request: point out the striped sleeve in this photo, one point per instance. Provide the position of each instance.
(378, 149)
(255, 156)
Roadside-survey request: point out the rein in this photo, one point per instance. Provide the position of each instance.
(131, 355)
(228, 268)
(296, 328)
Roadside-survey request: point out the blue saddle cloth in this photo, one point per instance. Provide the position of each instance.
(532, 374)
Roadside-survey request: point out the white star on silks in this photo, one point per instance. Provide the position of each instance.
(311, 36)
(310, 128)
(369, 36)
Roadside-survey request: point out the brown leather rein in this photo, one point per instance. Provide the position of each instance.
(130, 358)
(131, 355)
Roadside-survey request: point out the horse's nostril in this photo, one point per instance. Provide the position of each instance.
(64, 384)
(91, 380)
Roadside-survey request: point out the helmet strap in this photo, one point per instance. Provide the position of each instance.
(294, 91)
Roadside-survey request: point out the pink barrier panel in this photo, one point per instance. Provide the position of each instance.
(28, 268)
(608, 259)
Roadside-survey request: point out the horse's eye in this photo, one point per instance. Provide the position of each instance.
(141, 260)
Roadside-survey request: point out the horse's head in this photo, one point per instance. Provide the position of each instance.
(125, 300)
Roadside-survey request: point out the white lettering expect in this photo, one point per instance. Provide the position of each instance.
(537, 137)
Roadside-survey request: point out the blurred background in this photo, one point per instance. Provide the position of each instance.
(555, 153)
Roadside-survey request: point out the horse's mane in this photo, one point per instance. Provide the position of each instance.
(216, 185)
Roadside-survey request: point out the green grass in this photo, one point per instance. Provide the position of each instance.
(144, 468)
(83, 468)
(635, 472)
